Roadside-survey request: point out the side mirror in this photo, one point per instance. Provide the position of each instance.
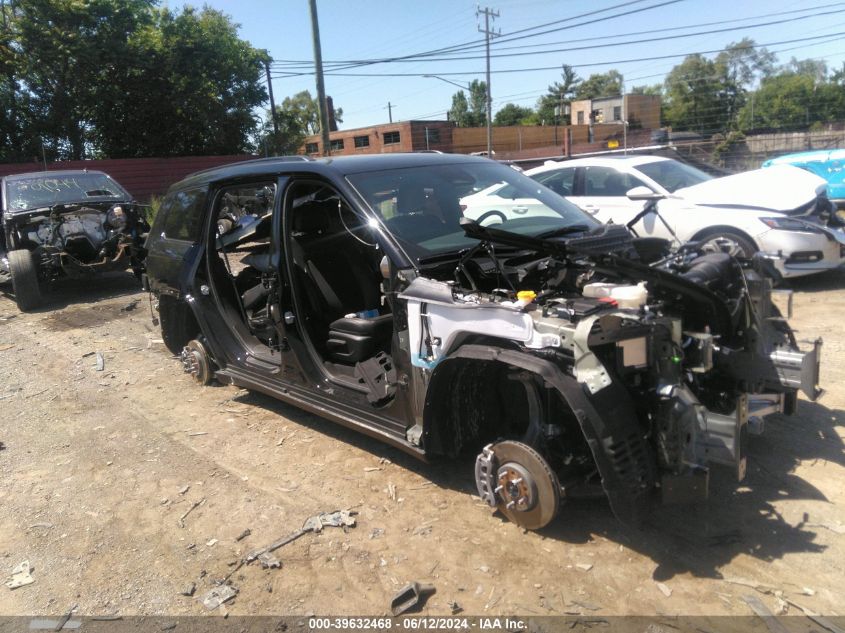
(643, 193)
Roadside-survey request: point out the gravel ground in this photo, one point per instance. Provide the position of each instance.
(99, 466)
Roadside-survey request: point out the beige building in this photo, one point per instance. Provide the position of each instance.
(639, 110)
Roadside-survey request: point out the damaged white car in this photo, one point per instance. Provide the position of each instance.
(569, 357)
(782, 211)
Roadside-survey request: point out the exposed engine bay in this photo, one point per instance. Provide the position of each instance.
(75, 239)
(667, 361)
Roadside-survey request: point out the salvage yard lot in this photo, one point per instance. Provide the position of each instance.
(99, 466)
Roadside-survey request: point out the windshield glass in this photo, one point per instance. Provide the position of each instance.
(672, 175)
(422, 206)
(32, 192)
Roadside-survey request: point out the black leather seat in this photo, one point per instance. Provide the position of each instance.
(353, 339)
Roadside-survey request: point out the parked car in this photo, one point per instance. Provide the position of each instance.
(65, 224)
(827, 164)
(570, 357)
(784, 211)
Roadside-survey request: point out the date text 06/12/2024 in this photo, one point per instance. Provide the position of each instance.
(417, 623)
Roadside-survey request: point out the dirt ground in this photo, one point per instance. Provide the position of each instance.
(97, 468)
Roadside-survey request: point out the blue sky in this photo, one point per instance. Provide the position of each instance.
(364, 29)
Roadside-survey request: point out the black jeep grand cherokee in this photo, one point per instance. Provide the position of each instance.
(394, 294)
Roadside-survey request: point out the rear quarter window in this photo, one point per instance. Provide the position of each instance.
(180, 215)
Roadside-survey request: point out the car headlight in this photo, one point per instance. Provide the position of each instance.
(790, 224)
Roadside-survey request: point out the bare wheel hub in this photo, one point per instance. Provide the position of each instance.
(197, 362)
(517, 480)
(516, 487)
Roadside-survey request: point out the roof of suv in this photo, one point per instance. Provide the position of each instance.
(341, 165)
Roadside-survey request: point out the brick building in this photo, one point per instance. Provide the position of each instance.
(402, 136)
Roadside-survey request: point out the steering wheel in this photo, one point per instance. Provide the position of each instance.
(491, 214)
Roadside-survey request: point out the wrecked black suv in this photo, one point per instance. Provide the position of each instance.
(65, 224)
(389, 294)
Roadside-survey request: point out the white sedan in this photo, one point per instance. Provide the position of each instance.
(782, 211)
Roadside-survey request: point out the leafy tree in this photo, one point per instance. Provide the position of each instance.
(740, 65)
(798, 96)
(655, 90)
(297, 117)
(559, 94)
(607, 84)
(693, 95)
(68, 51)
(124, 78)
(512, 114)
(470, 112)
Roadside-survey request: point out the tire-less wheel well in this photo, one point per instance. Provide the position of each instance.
(473, 402)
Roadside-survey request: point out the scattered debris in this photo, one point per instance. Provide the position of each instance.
(411, 595)
(196, 505)
(584, 566)
(211, 542)
(377, 532)
(64, 619)
(196, 433)
(484, 568)
(101, 362)
(218, 595)
(806, 591)
(372, 469)
(772, 623)
(316, 523)
(818, 619)
(189, 590)
(586, 605)
(454, 607)
(131, 305)
(168, 627)
(21, 576)
(268, 561)
(46, 526)
(184, 489)
(243, 534)
(664, 589)
(765, 589)
(391, 491)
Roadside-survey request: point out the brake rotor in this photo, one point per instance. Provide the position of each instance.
(527, 490)
(196, 361)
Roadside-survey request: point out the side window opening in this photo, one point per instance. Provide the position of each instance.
(180, 215)
(239, 256)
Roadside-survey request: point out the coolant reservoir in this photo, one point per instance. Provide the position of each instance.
(626, 296)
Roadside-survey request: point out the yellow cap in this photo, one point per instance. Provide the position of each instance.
(526, 295)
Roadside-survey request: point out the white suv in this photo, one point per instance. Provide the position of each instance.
(782, 212)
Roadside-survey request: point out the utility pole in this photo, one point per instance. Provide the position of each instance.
(488, 34)
(272, 101)
(390, 107)
(321, 89)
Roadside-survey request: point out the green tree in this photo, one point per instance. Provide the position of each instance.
(297, 117)
(512, 114)
(692, 91)
(740, 65)
(472, 111)
(69, 51)
(607, 84)
(655, 90)
(558, 95)
(124, 78)
(459, 112)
